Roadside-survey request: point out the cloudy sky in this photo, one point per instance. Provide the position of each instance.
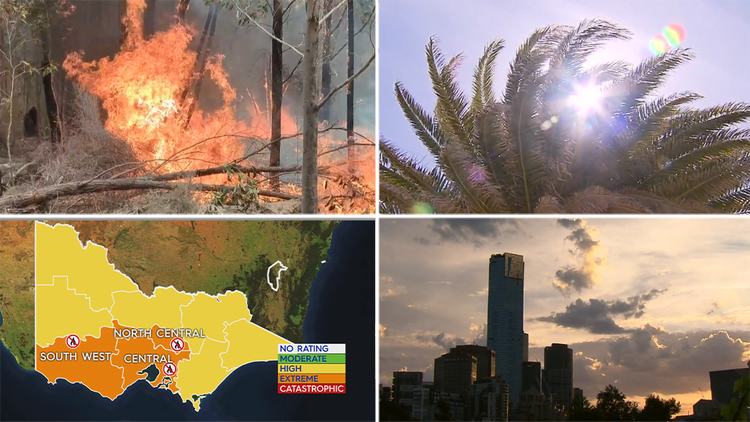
(717, 31)
(649, 305)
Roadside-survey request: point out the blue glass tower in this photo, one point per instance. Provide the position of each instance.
(505, 319)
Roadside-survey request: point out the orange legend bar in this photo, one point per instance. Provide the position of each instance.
(312, 378)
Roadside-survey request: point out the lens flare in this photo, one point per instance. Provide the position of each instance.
(658, 45)
(422, 208)
(671, 37)
(675, 34)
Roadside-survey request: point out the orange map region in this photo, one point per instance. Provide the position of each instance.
(136, 346)
(96, 375)
(98, 361)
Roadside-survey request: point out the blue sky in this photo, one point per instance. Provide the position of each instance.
(718, 32)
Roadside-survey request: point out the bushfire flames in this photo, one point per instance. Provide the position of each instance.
(140, 90)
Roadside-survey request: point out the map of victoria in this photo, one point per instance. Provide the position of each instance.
(178, 305)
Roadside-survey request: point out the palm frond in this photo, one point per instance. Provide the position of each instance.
(424, 125)
(451, 109)
(471, 178)
(736, 201)
(626, 94)
(484, 95)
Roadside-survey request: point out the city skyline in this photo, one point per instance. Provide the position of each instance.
(589, 284)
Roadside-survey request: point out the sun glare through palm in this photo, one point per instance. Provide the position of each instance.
(586, 98)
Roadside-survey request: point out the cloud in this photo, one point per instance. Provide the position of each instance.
(389, 288)
(422, 240)
(596, 315)
(589, 258)
(383, 330)
(652, 359)
(480, 293)
(443, 340)
(476, 231)
(480, 334)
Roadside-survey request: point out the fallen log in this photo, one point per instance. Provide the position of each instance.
(40, 196)
(223, 169)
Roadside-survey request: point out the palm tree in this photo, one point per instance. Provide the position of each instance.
(535, 152)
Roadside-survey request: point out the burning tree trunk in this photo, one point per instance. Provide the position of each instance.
(182, 7)
(325, 112)
(276, 89)
(310, 125)
(204, 58)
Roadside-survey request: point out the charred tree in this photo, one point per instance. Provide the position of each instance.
(182, 7)
(277, 87)
(310, 124)
(325, 88)
(149, 19)
(350, 86)
(50, 101)
(189, 82)
(202, 62)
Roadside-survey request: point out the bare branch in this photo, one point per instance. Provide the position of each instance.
(243, 11)
(343, 85)
(330, 12)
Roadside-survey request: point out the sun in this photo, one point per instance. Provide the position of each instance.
(586, 98)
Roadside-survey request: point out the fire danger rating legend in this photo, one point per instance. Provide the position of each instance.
(312, 368)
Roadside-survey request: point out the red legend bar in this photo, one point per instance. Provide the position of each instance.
(312, 388)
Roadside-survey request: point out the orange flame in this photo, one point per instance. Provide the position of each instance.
(140, 90)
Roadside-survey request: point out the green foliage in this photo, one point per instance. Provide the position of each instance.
(737, 411)
(246, 9)
(657, 409)
(531, 151)
(242, 194)
(612, 406)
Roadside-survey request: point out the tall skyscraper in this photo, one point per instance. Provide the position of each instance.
(505, 319)
(455, 371)
(558, 373)
(485, 359)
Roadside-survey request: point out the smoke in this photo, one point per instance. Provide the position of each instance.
(589, 257)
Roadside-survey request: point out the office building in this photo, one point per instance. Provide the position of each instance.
(488, 400)
(423, 406)
(722, 384)
(404, 383)
(385, 393)
(531, 376)
(525, 355)
(535, 406)
(577, 394)
(455, 371)
(558, 373)
(485, 359)
(505, 318)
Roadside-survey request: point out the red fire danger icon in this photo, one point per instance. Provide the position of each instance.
(73, 341)
(177, 344)
(169, 369)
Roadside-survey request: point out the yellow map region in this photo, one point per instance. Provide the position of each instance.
(79, 292)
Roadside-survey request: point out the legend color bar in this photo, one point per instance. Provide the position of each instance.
(312, 369)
